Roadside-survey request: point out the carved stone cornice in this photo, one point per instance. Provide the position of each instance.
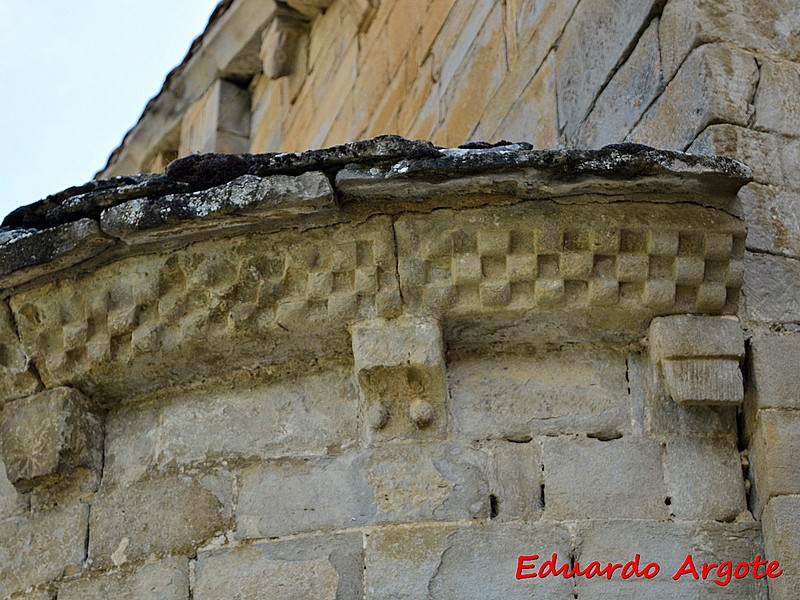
(279, 262)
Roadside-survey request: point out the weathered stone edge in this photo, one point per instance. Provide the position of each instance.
(277, 188)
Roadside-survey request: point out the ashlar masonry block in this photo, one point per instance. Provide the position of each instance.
(218, 122)
(698, 358)
(47, 436)
(400, 368)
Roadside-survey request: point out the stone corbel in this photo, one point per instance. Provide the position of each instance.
(282, 44)
(309, 8)
(400, 369)
(46, 437)
(697, 358)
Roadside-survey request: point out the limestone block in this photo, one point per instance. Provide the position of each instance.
(772, 450)
(311, 414)
(154, 517)
(773, 219)
(163, 580)
(630, 92)
(132, 438)
(38, 548)
(715, 84)
(595, 39)
(762, 152)
(477, 77)
(47, 436)
(776, 102)
(663, 416)
(534, 115)
(12, 503)
(464, 570)
(247, 200)
(774, 379)
(768, 301)
(704, 479)
(400, 368)
(699, 358)
(17, 378)
(400, 561)
(515, 480)
(767, 26)
(428, 482)
(587, 478)
(571, 391)
(324, 567)
(300, 495)
(667, 544)
(28, 254)
(781, 523)
(283, 44)
(219, 121)
(391, 484)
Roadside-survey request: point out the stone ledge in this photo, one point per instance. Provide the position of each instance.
(202, 195)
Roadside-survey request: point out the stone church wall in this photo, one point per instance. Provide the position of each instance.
(393, 379)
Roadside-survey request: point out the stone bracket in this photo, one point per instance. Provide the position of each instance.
(697, 358)
(45, 437)
(400, 369)
(282, 44)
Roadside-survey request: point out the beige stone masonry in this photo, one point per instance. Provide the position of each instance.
(218, 122)
(46, 436)
(699, 358)
(400, 368)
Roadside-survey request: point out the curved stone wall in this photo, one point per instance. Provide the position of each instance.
(384, 374)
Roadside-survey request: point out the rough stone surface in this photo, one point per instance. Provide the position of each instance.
(667, 544)
(303, 415)
(33, 253)
(715, 84)
(246, 200)
(88, 200)
(399, 366)
(400, 561)
(47, 436)
(781, 522)
(300, 495)
(773, 218)
(594, 41)
(704, 479)
(464, 565)
(12, 503)
(164, 580)
(776, 102)
(634, 86)
(776, 439)
(761, 151)
(774, 380)
(325, 567)
(153, 518)
(767, 302)
(515, 480)
(517, 170)
(573, 391)
(38, 548)
(765, 26)
(17, 377)
(698, 358)
(588, 478)
(392, 484)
